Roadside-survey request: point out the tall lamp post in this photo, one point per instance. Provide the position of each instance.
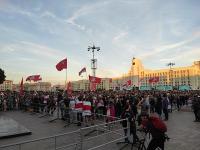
(93, 60)
(170, 64)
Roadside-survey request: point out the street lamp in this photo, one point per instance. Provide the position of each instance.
(170, 64)
(93, 60)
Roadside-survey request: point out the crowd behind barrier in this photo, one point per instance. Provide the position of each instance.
(86, 108)
(109, 103)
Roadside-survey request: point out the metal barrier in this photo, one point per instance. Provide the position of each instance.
(80, 139)
(102, 134)
(47, 143)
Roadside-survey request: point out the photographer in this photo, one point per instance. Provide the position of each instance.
(157, 128)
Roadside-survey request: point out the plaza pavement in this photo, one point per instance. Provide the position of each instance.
(183, 132)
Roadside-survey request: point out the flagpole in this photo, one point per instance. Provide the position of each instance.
(87, 78)
(66, 78)
(86, 74)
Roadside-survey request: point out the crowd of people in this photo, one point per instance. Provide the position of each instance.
(101, 101)
(114, 104)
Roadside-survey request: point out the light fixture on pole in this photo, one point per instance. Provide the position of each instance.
(93, 60)
(170, 64)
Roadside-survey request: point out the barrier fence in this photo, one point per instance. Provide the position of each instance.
(99, 135)
(67, 114)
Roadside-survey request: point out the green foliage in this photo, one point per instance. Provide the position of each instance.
(2, 76)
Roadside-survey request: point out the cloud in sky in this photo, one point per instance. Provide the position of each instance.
(38, 35)
(119, 36)
(168, 47)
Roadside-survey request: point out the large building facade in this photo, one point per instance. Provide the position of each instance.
(39, 86)
(7, 85)
(179, 78)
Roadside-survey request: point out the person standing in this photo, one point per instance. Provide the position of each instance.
(79, 109)
(87, 106)
(158, 105)
(196, 108)
(165, 104)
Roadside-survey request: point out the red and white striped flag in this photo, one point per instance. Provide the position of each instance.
(82, 71)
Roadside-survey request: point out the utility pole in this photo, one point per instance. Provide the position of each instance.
(93, 60)
(170, 64)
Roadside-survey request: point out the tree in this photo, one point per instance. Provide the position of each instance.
(2, 76)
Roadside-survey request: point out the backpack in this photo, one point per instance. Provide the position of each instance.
(158, 124)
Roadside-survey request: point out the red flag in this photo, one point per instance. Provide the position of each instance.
(62, 65)
(34, 78)
(94, 79)
(82, 70)
(92, 86)
(21, 88)
(154, 80)
(69, 88)
(128, 83)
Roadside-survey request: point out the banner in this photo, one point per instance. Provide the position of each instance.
(154, 80)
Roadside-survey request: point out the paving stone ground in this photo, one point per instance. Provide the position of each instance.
(184, 133)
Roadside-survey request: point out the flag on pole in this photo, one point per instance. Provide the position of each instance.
(82, 71)
(93, 86)
(34, 78)
(21, 92)
(154, 80)
(93, 82)
(128, 83)
(94, 79)
(62, 65)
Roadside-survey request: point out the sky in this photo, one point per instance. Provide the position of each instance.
(37, 34)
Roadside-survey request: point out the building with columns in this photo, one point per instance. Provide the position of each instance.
(179, 78)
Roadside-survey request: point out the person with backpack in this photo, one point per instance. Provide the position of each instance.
(157, 128)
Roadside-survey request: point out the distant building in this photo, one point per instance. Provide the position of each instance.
(57, 87)
(180, 78)
(81, 85)
(39, 86)
(7, 85)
